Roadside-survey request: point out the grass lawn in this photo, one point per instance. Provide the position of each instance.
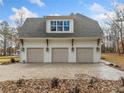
(115, 58)
(7, 59)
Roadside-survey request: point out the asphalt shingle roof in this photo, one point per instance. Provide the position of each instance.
(83, 27)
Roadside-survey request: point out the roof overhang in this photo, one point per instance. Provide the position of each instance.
(85, 38)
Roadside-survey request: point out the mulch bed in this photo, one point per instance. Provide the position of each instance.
(83, 84)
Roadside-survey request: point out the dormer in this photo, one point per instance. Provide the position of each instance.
(59, 24)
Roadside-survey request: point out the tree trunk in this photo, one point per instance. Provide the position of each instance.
(115, 47)
(118, 47)
(122, 47)
(122, 43)
(4, 48)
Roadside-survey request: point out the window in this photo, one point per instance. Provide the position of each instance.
(60, 26)
(53, 25)
(66, 25)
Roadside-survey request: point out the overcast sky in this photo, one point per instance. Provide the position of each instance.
(9, 9)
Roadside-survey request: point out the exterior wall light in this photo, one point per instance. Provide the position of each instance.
(97, 49)
(47, 49)
(72, 45)
(72, 48)
(23, 49)
(47, 42)
(98, 42)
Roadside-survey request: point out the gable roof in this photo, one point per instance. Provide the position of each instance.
(83, 27)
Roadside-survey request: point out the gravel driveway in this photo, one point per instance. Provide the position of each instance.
(60, 70)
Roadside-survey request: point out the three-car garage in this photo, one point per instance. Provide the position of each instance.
(60, 54)
(58, 39)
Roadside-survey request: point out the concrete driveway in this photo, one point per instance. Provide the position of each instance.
(60, 70)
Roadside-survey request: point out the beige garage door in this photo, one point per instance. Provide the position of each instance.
(59, 55)
(84, 55)
(35, 55)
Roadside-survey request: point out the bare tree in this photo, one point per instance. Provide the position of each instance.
(7, 35)
(116, 25)
(4, 32)
(115, 34)
(119, 23)
(19, 22)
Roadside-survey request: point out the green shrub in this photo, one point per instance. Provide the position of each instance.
(13, 60)
(55, 82)
(103, 58)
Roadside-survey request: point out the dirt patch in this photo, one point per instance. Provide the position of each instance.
(115, 59)
(113, 65)
(83, 84)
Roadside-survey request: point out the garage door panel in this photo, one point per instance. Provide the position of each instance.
(84, 54)
(60, 55)
(35, 55)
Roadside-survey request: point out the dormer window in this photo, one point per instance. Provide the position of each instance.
(60, 26)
